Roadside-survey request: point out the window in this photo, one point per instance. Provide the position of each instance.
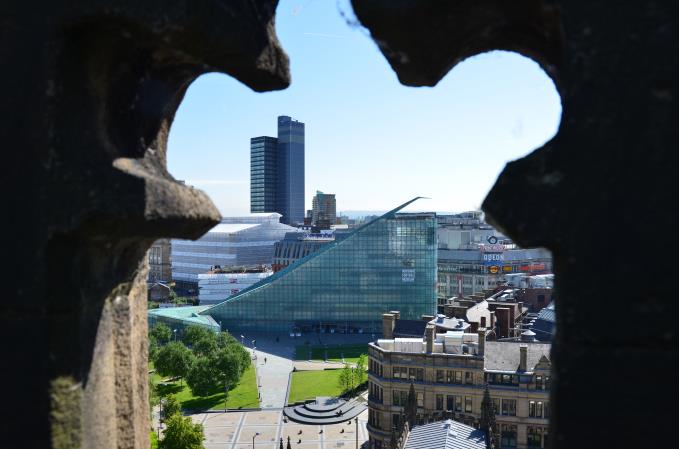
(399, 397)
(539, 384)
(439, 402)
(374, 418)
(535, 409)
(449, 376)
(450, 402)
(546, 382)
(496, 404)
(458, 377)
(508, 435)
(439, 376)
(420, 374)
(546, 415)
(458, 403)
(396, 420)
(534, 439)
(468, 404)
(509, 407)
(468, 377)
(420, 399)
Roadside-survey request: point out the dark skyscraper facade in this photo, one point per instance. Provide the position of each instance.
(290, 170)
(263, 174)
(277, 172)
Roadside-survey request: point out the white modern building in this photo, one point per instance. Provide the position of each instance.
(214, 287)
(243, 241)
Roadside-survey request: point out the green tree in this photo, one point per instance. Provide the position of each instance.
(153, 347)
(228, 365)
(170, 406)
(203, 378)
(162, 333)
(173, 359)
(182, 433)
(346, 378)
(360, 373)
(193, 334)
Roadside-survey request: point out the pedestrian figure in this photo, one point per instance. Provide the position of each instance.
(265, 360)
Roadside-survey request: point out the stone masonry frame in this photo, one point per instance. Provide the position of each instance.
(91, 89)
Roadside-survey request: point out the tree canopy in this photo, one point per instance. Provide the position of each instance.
(161, 333)
(182, 433)
(173, 359)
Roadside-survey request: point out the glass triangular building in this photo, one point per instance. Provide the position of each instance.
(345, 287)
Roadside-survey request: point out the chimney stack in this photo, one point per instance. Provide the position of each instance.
(523, 360)
(427, 318)
(482, 342)
(396, 313)
(388, 323)
(429, 334)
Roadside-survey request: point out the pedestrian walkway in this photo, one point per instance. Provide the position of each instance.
(235, 430)
(272, 376)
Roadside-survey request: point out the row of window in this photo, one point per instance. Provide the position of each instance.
(454, 403)
(400, 398)
(536, 437)
(402, 372)
(454, 377)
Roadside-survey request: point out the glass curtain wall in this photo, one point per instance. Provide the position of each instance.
(345, 287)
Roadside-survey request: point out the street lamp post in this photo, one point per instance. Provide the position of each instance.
(175, 334)
(356, 421)
(253, 439)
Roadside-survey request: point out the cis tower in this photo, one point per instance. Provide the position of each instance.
(277, 172)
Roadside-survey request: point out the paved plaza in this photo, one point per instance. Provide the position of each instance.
(234, 430)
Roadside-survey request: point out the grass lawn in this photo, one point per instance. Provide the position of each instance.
(243, 395)
(309, 384)
(351, 352)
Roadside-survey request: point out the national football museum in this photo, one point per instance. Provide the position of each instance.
(387, 264)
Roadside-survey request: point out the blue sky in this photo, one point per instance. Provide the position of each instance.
(370, 140)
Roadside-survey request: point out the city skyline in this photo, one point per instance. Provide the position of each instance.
(370, 140)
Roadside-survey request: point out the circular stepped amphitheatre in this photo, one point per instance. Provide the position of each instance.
(325, 411)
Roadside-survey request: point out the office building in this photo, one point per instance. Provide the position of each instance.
(160, 265)
(263, 174)
(219, 284)
(473, 257)
(324, 210)
(243, 241)
(449, 371)
(298, 245)
(277, 172)
(345, 286)
(290, 170)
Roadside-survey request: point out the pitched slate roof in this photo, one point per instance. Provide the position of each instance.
(544, 324)
(505, 355)
(445, 435)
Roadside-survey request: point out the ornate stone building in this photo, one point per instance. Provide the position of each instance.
(449, 372)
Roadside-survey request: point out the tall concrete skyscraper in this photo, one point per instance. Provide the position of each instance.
(277, 172)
